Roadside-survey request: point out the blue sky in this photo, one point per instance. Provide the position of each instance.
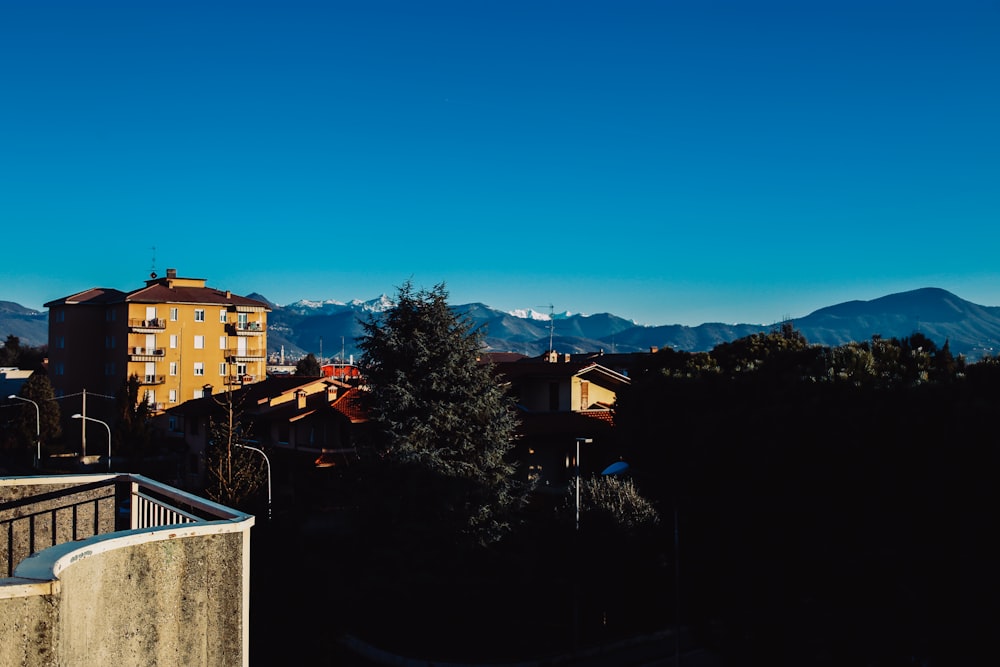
(669, 162)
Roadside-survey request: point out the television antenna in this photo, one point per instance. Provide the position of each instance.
(552, 323)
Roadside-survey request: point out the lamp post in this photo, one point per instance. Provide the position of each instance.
(585, 441)
(92, 419)
(268, 462)
(38, 427)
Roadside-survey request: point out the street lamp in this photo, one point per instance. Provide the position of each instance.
(268, 462)
(38, 427)
(91, 419)
(585, 441)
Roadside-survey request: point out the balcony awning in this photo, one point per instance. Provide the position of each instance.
(250, 309)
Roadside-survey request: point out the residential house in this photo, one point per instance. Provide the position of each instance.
(317, 417)
(560, 401)
(181, 338)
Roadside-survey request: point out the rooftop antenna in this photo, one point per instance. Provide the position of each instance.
(552, 324)
(152, 268)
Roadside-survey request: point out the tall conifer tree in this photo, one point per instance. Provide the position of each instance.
(443, 416)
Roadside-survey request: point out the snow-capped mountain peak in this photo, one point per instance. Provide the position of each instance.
(330, 306)
(532, 314)
(379, 304)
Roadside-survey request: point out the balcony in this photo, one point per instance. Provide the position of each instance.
(245, 328)
(146, 353)
(240, 379)
(152, 379)
(120, 569)
(236, 354)
(155, 324)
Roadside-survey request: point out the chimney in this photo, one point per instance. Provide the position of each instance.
(551, 356)
(229, 295)
(301, 396)
(171, 273)
(567, 357)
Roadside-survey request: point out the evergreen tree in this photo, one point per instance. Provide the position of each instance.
(10, 352)
(25, 357)
(47, 419)
(445, 421)
(133, 432)
(308, 366)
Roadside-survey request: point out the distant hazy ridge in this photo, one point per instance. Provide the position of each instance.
(329, 329)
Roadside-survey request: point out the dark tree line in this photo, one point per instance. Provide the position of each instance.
(834, 503)
(25, 357)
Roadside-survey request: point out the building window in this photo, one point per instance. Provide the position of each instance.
(60, 342)
(173, 399)
(109, 315)
(222, 315)
(109, 368)
(222, 342)
(241, 369)
(199, 342)
(199, 393)
(173, 368)
(60, 369)
(171, 420)
(199, 368)
(109, 342)
(173, 341)
(199, 314)
(173, 314)
(222, 368)
(60, 315)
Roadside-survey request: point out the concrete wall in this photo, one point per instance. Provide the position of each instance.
(177, 602)
(171, 596)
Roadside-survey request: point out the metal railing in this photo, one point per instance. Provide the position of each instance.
(147, 351)
(252, 353)
(41, 512)
(155, 323)
(246, 327)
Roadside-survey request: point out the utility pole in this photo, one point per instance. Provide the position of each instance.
(83, 426)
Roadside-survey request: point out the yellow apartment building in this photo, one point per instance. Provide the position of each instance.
(182, 339)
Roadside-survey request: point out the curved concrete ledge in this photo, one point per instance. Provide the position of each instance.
(174, 593)
(48, 563)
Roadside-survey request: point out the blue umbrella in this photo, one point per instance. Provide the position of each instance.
(616, 468)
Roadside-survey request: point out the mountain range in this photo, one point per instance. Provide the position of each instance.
(329, 329)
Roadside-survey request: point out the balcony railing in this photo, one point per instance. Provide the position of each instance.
(245, 328)
(146, 352)
(153, 379)
(236, 353)
(240, 379)
(155, 323)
